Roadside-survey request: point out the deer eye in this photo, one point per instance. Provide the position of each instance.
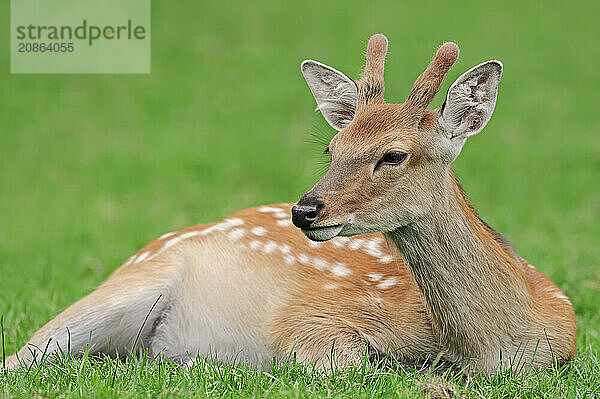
(392, 158)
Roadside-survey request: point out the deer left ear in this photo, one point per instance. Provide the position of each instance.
(470, 101)
(335, 93)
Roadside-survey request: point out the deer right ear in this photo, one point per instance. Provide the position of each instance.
(336, 94)
(471, 100)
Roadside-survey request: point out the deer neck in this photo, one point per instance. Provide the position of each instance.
(472, 283)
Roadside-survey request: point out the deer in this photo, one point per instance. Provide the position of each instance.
(383, 256)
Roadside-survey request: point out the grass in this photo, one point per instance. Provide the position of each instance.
(94, 166)
(90, 377)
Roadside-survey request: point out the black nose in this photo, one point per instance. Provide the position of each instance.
(305, 212)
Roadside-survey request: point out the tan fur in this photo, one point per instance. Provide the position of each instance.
(266, 305)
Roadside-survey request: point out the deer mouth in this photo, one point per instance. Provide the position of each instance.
(323, 233)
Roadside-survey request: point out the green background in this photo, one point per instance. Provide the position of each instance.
(94, 166)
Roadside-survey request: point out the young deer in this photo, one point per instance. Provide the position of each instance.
(252, 287)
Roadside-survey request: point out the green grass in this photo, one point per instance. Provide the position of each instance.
(111, 378)
(94, 166)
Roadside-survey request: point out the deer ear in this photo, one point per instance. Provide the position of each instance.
(336, 93)
(470, 101)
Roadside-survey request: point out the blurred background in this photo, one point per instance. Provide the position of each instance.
(94, 166)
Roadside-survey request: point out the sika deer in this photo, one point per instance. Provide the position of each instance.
(390, 172)
(253, 287)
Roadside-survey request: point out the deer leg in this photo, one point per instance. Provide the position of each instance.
(312, 336)
(114, 319)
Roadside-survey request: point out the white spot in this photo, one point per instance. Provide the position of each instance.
(223, 226)
(330, 286)
(255, 245)
(386, 259)
(314, 244)
(166, 235)
(142, 257)
(236, 234)
(280, 215)
(371, 247)
(320, 263)
(340, 242)
(303, 258)
(365, 282)
(340, 270)
(289, 259)
(176, 240)
(130, 260)
(269, 247)
(266, 209)
(560, 295)
(387, 283)
(258, 231)
(531, 266)
(285, 249)
(356, 243)
(374, 276)
(284, 223)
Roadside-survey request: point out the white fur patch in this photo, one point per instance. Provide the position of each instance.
(267, 209)
(319, 263)
(284, 223)
(258, 231)
(340, 242)
(340, 270)
(236, 234)
(330, 286)
(223, 226)
(166, 235)
(374, 276)
(176, 240)
(561, 296)
(371, 247)
(142, 257)
(285, 249)
(387, 283)
(355, 243)
(303, 258)
(289, 259)
(270, 247)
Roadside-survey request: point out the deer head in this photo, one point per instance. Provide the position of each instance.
(389, 162)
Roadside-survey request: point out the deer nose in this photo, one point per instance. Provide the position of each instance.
(305, 212)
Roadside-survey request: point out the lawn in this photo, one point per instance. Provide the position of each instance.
(94, 166)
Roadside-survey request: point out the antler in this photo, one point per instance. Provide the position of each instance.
(428, 84)
(370, 86)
